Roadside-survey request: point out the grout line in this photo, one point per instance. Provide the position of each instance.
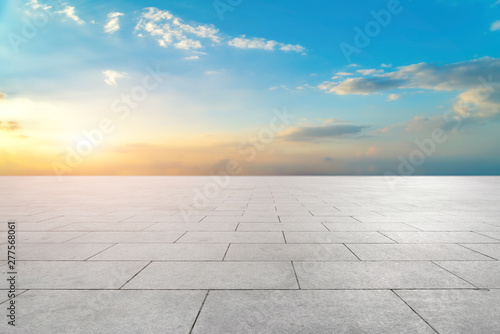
(491, 257)
(451, 272)
(100, 251)
(387, 236)
(356, 219)
(199, 311)
(84, 234)
(487, 236)
(180, 237)
(352, 252)
(411, 308)
(131, 278)
(227, 249)
(419, 229)
(296, 278)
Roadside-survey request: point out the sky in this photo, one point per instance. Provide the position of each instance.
(239, 87)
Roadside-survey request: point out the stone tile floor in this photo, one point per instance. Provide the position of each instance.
(253, 254)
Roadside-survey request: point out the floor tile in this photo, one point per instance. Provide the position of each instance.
(483, 274)
(166, 252)
(307, 312)
(101, 311)
(335, 237)
(128, 237)
(27, 252)
(74, 274)
(288, 252)
(417, 252)
(438, 237)
(232, 237)
(215, 275)
(375, 275)
(492, 250)
(457, 311)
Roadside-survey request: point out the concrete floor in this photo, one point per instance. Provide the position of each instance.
(253, 254)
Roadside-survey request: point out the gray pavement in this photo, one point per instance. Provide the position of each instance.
(252, 254)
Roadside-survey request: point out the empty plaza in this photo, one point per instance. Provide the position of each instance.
(252, 254)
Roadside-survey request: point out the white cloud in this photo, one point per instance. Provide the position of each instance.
(344, 73)
(449, 77)
(495, 26)
(2, 96)
(369, 71)
(111, 76)
(393, 97)
(263, 44)
(386, 65)
(192, 57)
(169, 30)
(35, 5)
(113, 24)
(69, 11)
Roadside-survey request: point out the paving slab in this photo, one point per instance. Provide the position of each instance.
(282, 227)
(483, 274)
(101, 311)
(439, 226)
(457, 311)
(289, 252)
(52, 252)
(312, 219)
(128, 237)
(289, 311)
(215, 275)
(492, 250)
(232, 237)
(90, 227)
(74, 274)
(375, 227)
(375, 275)
(160, 227)
(43, 236)
(166, 252)
(438, 237)
(491, 234)
(422, 252)
(335, 237)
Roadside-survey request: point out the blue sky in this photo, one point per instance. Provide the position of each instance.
(224, 72)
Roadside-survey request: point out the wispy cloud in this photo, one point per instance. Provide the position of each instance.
(393, 97)
(495, 26)
(111, 76)
(9, 126)
(264, 44)
(2, 96)
(69, 11)
(328, 131)
(170, 30)
(113, 24)
(369, 71)
(456, 76)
